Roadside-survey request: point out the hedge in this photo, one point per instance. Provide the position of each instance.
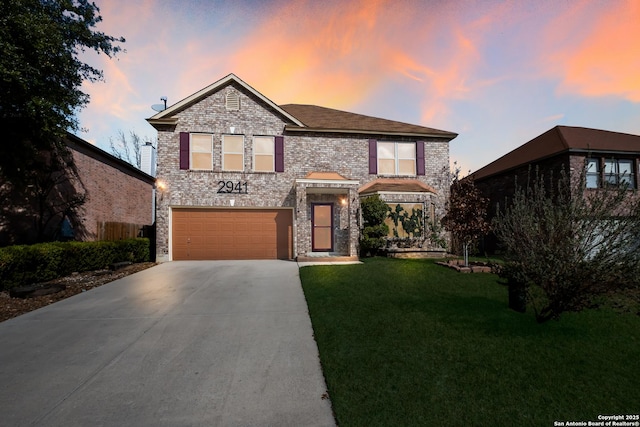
(27, 264)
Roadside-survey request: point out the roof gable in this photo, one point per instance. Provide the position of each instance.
(558, 140)
(166, 116)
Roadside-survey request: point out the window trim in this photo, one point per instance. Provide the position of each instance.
(273, 153)
(224, 153)
(604, 176)
(397, 159)
(192, 151)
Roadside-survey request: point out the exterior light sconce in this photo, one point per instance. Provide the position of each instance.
(232, 129)
(161, 187)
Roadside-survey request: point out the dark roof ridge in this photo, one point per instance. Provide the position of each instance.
(561, 139)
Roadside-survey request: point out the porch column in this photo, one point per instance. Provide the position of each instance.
(354, 229)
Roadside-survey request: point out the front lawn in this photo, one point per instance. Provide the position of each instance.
(407, 342)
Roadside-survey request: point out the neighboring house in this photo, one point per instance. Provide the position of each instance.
(240, 177)
(116, 191)
(77, 202)
(610, 158)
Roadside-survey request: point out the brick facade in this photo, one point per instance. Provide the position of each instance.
(304, 152)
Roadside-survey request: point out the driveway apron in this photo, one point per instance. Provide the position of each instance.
(188, 343)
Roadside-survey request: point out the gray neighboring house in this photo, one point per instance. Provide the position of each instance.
(240, 177)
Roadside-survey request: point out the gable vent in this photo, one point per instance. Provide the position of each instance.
(232, 101)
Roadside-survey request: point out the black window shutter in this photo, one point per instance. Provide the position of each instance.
(420, 167)
(279, 153)
(184, 150)
(373, 157)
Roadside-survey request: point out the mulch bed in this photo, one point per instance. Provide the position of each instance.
(73, 284)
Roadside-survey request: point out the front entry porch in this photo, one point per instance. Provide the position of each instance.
(326, 217)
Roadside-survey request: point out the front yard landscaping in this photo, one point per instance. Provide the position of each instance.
(407, 342)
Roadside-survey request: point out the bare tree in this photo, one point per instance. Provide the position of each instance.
(565, 244)
(128, 149)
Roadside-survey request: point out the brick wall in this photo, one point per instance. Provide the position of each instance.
(304, 153)
(113, 194)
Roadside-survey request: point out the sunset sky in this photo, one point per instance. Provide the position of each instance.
(498, 73)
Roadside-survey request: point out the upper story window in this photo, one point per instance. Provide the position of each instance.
(396, 158)
(609, 172)
(618, 172)
(232, 152)
(593, 173)
(263, 154)
(201, 151)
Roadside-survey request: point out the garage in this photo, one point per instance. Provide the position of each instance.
(218, 234)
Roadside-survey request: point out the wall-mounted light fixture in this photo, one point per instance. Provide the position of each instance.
(232, 129)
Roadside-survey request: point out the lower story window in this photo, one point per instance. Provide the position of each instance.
(405, 219)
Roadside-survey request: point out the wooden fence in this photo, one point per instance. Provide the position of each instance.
(118, 230)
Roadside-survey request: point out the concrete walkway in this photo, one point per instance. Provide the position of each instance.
(190, 343)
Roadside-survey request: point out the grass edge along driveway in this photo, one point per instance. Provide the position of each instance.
(407, 342)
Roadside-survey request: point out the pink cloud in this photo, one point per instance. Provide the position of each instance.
(602, 57)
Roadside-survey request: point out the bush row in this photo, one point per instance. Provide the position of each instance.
(27, 264)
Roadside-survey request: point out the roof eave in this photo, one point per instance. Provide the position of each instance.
(162, 122)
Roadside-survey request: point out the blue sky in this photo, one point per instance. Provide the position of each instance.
(498, 73)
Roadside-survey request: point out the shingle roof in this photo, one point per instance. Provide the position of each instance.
(332, 176)
(562, 139)
(395, 185)
(328, 119)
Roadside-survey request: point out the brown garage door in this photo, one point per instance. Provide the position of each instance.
(232, 234)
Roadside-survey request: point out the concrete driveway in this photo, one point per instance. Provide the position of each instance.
(189, 343)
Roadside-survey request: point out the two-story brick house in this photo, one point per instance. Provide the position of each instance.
(609, 158)
(240, 177)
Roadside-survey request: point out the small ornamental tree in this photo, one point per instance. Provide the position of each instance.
(466, 216)
(565, 244)
(374, 231)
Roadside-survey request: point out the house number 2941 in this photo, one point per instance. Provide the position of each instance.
(233, 187)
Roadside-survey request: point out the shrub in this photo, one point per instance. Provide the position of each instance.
(565, 245)
(374, 213)
(26, 264)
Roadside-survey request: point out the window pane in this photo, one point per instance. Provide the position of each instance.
(406, 151)
(201, 161)
(233, 162)
(407, 167)
(264, 163)
(624, 167)
(592, 166)
(322, 216)
(233, 144)
(592, 181)
(386, 167)
(263, 145)
(201, 143)
(322, 238)
(611, 179)
(609, 166)
(386, 150)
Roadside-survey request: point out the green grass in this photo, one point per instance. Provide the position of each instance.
(407, 342)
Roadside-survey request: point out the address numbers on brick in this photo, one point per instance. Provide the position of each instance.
(230, 187)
